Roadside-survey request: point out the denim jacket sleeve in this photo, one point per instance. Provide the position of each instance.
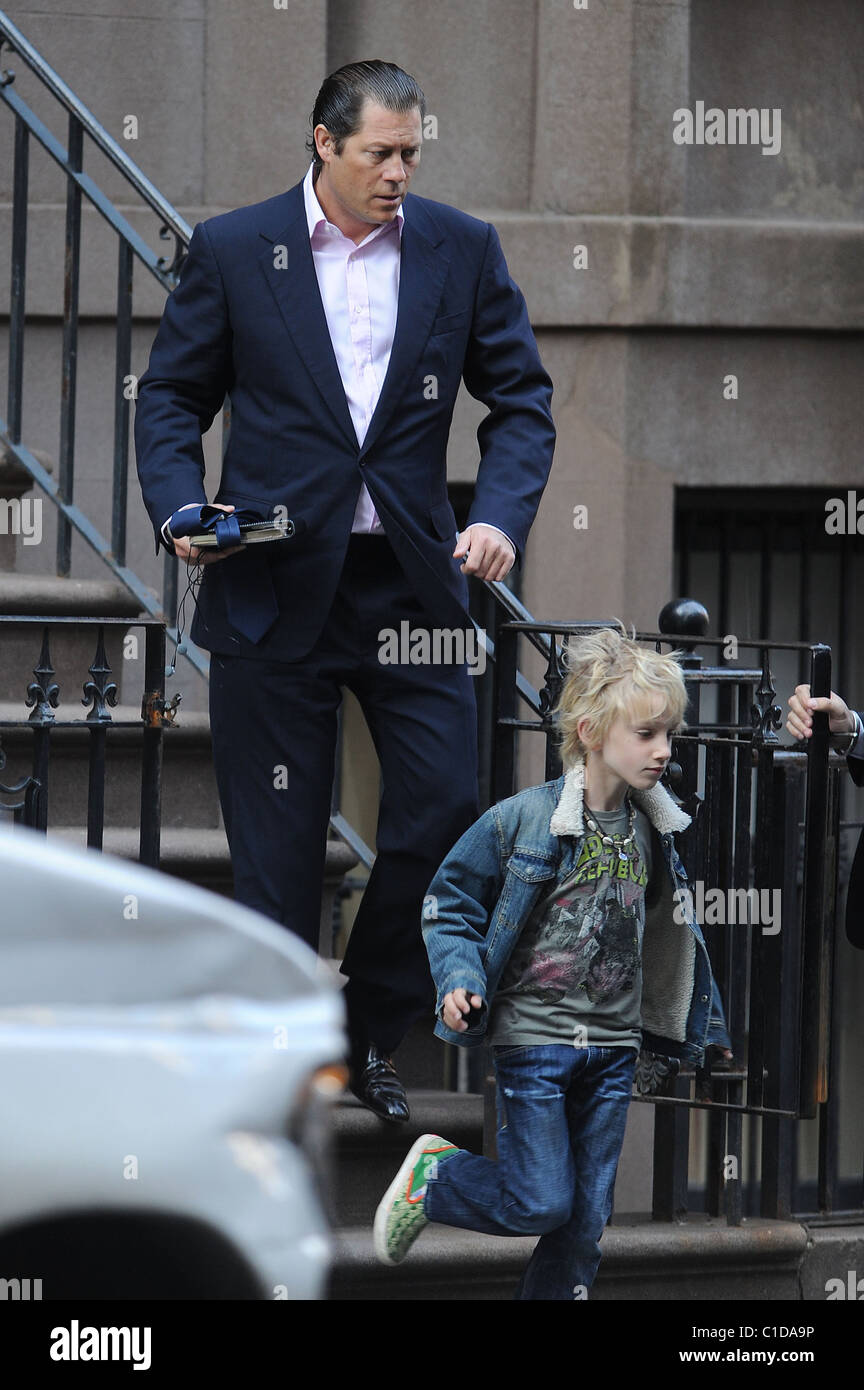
(458, 908)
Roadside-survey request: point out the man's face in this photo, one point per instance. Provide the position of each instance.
(637, 746)
(365, 185)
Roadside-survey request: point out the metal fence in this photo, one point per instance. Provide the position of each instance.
(85, 135)
(27, 799)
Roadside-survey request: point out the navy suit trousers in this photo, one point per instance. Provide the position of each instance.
(267, 716)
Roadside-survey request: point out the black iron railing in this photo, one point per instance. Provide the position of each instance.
(27, 799)
(750, 798)
(83, 127)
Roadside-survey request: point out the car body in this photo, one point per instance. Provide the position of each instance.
(169, 1059)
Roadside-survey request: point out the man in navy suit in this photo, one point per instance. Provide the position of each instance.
(340, 317)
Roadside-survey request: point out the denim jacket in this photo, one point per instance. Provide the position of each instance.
(483, 894)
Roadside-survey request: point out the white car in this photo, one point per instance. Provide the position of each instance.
(168, 1062)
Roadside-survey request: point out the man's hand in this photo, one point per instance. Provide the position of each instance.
(195, 554)
(799, 722)
(492, 555)
(457, 1003)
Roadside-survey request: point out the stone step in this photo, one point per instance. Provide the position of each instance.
(72, 647)
(698, 1260)
(368, 1150)
(189, 795)
(196, 854)
(445, 1264)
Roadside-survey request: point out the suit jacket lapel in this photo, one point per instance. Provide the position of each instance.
(294, 284)
(422, 271)
(292, 279)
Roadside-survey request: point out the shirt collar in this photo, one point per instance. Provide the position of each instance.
(316, 217)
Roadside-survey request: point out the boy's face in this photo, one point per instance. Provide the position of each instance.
(638, 745)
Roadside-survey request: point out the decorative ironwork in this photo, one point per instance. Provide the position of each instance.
(553, 680)
(100, 690)
(172, 268)
(766, 716)
(43, 693)
(31, 788)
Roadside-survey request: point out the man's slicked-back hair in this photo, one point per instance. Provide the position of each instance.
(339, 103)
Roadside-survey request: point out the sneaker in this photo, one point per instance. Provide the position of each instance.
(400, 1216)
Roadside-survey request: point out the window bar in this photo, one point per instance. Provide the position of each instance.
(766, 533)
(804, 569)
(843, 614)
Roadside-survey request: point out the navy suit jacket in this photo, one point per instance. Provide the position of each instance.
(246, 319)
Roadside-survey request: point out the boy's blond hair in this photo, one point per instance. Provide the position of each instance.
(609, 674)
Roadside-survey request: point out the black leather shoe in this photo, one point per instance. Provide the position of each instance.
(373, 1081)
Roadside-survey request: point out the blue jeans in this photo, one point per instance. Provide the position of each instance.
(562, 1111)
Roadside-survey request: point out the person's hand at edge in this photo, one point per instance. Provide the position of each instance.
(799, 722)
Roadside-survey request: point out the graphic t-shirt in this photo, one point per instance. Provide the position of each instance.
(575, 975)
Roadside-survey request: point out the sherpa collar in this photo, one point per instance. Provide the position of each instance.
(664, 813)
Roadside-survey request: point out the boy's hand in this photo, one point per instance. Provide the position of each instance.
(456, 1004)
(799, 722)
